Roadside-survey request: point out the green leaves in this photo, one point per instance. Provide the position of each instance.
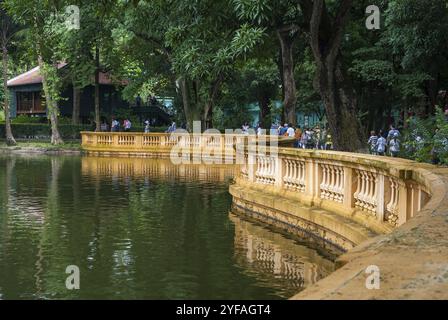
(253, 10)
(245, 39)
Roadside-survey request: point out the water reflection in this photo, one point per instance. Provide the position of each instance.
(274, 258)
(125, 168)
(137, 229)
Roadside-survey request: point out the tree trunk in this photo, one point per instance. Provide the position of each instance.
(190, 110)
(265, 112)
(52, 107)
(10, 141)
(208, 107)
(76, 105)
(340, 105)
(331, 80)
(289, 84)
(97, 90)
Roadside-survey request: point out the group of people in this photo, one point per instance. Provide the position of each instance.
(307, 138)
(126, 126)
(116, 126)
(380, 145)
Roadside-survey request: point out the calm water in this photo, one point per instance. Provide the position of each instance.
(138, 229)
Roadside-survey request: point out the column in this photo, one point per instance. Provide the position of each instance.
(380, 197)
(402, 203)
(349, 188)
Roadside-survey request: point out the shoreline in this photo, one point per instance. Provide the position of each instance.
(40, 150)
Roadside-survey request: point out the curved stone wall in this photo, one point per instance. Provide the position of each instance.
(387, 213)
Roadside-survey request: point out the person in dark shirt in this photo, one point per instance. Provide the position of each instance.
(138, 101)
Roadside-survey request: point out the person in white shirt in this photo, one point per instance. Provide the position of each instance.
(291, 132)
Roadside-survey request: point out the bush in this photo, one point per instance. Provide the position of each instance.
(67, 131)
(426, 140)
(43, 131)
(27, 119)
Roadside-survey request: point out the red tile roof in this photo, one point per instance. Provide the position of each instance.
(33, 77)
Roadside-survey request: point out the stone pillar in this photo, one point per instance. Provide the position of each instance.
(94, 139)
(313, 178)
(402, 203)
(251, 166)
(380, 197)
(138, 141)
(115, 139)
(279, 171)
(349, 188)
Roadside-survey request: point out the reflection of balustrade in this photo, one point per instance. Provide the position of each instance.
(350, 185)
(153, 168)
(276, 256)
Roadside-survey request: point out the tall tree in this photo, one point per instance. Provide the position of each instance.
(332, 80)
(201, 43)
(417, 33)
(88, 49)
(8, 30)
(282, 19)
(44, 26)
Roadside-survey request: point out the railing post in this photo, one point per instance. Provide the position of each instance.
(349, 188)
(251, 163)
(83, 139)
(380, 197)
(402, 203)
(279, 171)
(138, 141)
(115, 138)
(95, 139)
(313, 177)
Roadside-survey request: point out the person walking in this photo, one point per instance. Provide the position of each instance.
(394, 147)
(373, 141)
(393, 141)
(115, 127)
(329, 142)
(172, 128)
(147, 127)
(381, 144)
(127, 125)
(290, 132)
(283, 130)
(298, 137)
(393, 133)
(245, 128)
(306, 138)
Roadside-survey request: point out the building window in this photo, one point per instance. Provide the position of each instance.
(30, 102)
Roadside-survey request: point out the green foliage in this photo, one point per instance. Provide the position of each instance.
(27, 119)
(43, 130)
(441, 137)
(426, 140)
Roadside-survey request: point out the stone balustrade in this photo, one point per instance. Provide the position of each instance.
(375, 194)
(162, 144)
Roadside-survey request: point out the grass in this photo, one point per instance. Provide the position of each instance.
(71, 145)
